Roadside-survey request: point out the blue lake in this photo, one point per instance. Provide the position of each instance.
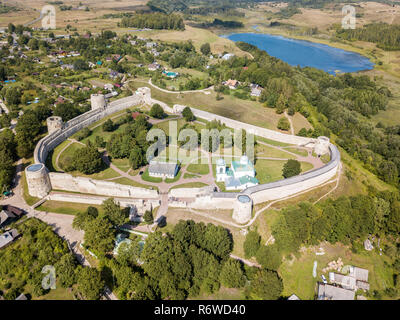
(306, 53)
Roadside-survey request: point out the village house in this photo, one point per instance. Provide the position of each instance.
(160, 169)
(67, 67)
(108, 86)
(329, 292)
(232, 84)
(8, 237)
(150, 45)
(255, 90)
(357, 278)
(227, 56)
(9, 214)
(153, 66)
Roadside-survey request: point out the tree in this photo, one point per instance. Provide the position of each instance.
(81, 219)
(99, 235)
(108, 126)
(80, 64)
(269, 257)
(113, 212)
(291, 168)
(283, 124)
(66, 111)
(65, 269)
(87, 160)
(188, 114)
(266, 285)
(90, 284)
(205, 49)
(148, 216)
(251, 244)
(232, 275)
(156, 111)
(136, 158)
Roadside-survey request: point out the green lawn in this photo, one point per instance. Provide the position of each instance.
(65, 207)
(132, 183)
(122, 164)
(198, 168)
(271, 170)
(266, 151)
(300, 152)
(190, 185)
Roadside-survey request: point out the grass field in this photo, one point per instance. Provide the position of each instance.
(266, 151)
(198, 168)
(190, 185)
(65, 207)
(271, 170)
(132, 183)
(243, 110)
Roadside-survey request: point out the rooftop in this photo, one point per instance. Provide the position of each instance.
(166, 168)
(328, 292)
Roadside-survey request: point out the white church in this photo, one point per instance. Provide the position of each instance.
(239, 176)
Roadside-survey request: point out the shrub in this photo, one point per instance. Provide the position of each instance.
(283, 124)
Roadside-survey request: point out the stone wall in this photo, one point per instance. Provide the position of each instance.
(51, 141)
(141, 205)
(66, 182)
(190, 192)
(262, 132)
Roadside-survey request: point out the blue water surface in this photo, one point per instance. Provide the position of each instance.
(306, 53)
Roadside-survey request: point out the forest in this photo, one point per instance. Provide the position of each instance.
(386, 36)
(154, 21)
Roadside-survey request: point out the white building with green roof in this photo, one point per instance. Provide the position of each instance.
(239, 176)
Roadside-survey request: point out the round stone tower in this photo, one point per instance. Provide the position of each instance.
(98, 101)
(37, 177)
(321, 146)
(242, 209)
(54, 123)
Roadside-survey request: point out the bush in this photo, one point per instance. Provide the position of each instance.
(188, 114)
(251, 244)
(156, 111)
(84, 133)
(108, 126)
(291, 168)
(283, 124)
(269, 257)
(148, 217)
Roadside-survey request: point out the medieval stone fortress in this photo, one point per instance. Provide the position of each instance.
(240, 177)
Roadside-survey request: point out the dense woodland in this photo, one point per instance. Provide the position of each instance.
(386, 36)
(154, 21)
(22, 263)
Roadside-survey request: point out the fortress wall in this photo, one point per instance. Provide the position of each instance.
(258, 131)
(275, 193)
(49, 142)
(98, 200)
(190, 192)
(212, 203)
(66, 182)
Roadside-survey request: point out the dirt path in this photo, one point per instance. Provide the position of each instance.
(291, 123)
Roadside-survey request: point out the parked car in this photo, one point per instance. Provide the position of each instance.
(324, 279)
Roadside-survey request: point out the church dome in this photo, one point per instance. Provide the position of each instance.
(244, 159)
